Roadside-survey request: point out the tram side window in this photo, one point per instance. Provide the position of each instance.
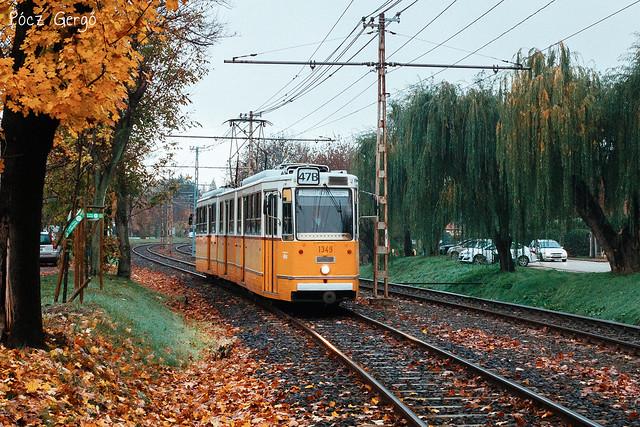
(201, 222)
(245, 213)
(221, 219)
(272, 215)
(239, 216)
(257, 213)
(252, 213)
(212, 218)
(230, 217)
(287, 215)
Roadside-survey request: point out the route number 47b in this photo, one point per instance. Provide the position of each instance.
(308, 176)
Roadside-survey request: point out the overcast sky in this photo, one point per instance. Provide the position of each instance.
(258, 26)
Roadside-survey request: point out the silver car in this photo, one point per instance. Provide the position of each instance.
(48, 252)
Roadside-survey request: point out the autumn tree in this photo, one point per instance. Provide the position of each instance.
(64, 62)
(174, 58)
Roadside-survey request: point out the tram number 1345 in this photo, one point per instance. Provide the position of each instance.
(325, 249)
(308, 176)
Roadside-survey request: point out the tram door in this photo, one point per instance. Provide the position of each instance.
(270, 231)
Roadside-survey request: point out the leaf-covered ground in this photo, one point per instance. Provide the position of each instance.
(104, 366)
(84, 379)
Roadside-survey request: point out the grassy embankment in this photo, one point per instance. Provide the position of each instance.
(602, 295)
(142, 315)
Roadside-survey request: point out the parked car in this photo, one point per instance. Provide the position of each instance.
(488, 254)
(548, 250)
(478, 252)
(443, 248)
(454, 251)
(49, 253)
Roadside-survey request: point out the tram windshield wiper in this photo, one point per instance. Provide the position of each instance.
(338, 206)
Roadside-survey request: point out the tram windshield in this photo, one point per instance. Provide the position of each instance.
(327, 211)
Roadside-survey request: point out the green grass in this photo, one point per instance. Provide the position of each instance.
(602, 295)
(142, 314)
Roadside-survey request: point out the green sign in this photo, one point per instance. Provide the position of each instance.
(74, 223)
(94, 216)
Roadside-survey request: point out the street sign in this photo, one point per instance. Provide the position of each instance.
(74, 223)
(94, 216)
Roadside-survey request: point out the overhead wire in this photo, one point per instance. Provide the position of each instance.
(314, 52)
(282, 49)
(328, 101)
(424, 28)
(513, 27)
(311, 75)
(317, 124)
(459, 49)
(311, 82)
(562, 40)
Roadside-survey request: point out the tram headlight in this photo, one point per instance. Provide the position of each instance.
(325, 269)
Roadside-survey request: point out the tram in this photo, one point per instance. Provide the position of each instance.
(289, 234)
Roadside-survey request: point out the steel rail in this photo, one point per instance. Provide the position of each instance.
(180, 248)
(179, 261)
(166, 264)
(403, 410)
(386, 394)
(567, 414)
(632, 347)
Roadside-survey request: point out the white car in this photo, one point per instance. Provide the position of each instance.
(488, 254)
(49, 253)
(479, 252)
(548, 250)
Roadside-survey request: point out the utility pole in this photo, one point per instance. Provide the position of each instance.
(250, 129)
(195, 203)
(381, 226)
(252, 160)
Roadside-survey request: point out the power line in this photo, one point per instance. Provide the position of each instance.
(327, 102)
(311, 56)
(592, 25)
(459, 49)
(424, 28)
(318, 124)
(485, 13)
(282, 49)
(531, 15)
(319, 139)
(311, 75)
(310, 84)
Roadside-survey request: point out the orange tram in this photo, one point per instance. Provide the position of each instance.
(289, 233)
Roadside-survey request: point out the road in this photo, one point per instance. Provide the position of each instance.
(576, 266)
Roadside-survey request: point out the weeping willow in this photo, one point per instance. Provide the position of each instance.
(568, 142)
(548, 144)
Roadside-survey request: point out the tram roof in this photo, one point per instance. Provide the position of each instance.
(269, 175)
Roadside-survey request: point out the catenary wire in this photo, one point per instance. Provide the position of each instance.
(313, 71)
(314, 52)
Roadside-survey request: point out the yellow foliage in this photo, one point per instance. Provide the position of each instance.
(77, 64)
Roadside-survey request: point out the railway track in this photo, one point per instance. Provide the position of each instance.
(425, 384)
(624, 337)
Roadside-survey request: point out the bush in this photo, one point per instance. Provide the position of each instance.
(576, 242)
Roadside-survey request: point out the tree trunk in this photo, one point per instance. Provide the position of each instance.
(4, 236)
(622, 248)
(121, 137)
(122, 225)
(28, 142)
(503, 246)
(408, 245)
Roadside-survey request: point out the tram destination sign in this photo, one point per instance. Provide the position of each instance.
(308, 176)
